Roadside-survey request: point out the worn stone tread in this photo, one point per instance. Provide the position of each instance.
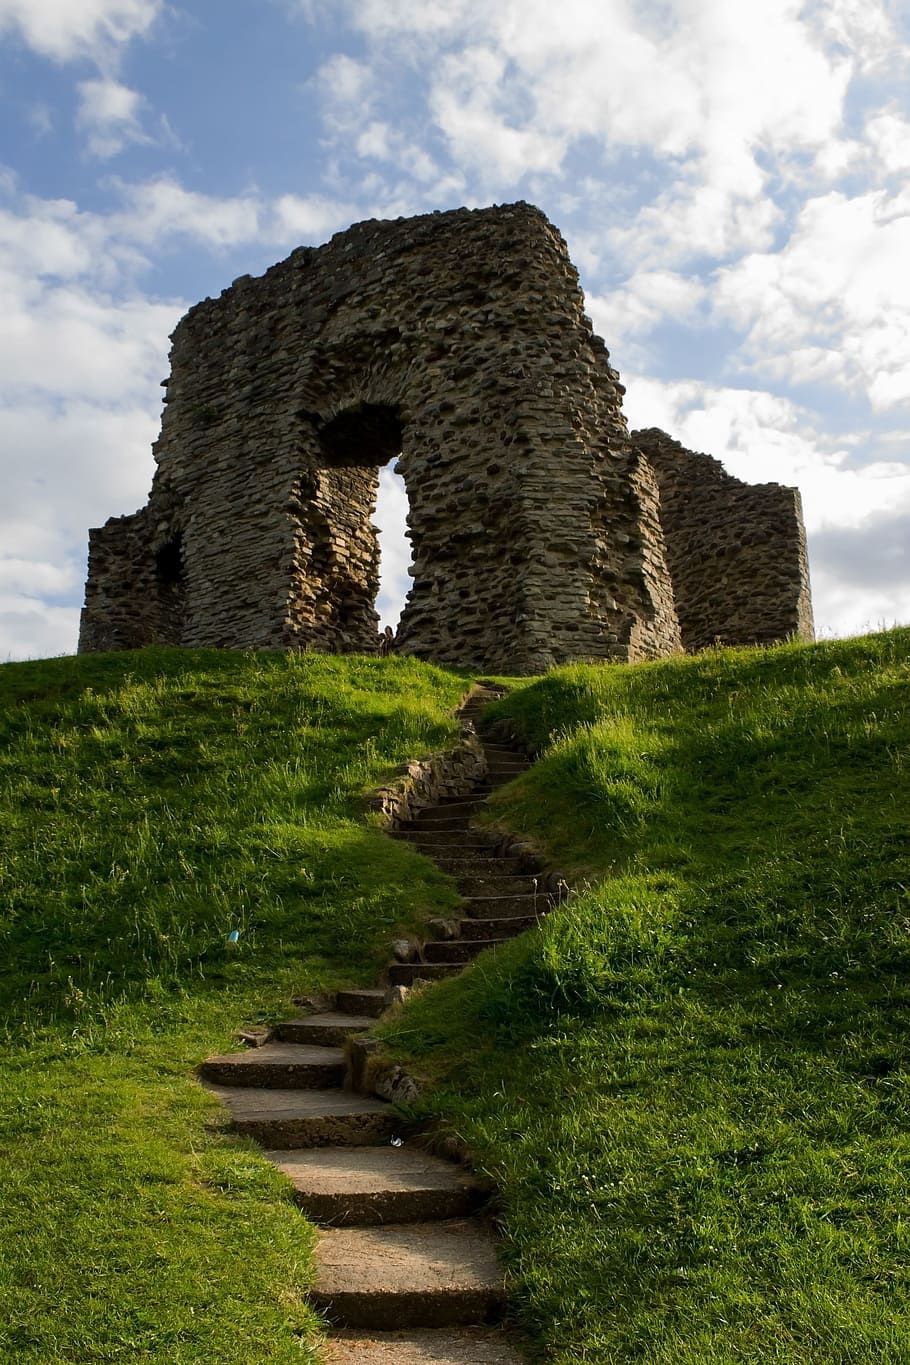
(329, 1028)
(480, 866)
(492, 929)
(464, 1346)
(457, 950)
(473, 884)
(413, 1275)
(306, 1118)
(504, 907)
(361, 1186)
(277, 1064)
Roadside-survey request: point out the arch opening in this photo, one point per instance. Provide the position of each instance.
(356, 523)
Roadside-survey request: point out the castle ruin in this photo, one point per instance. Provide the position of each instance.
(541, 530)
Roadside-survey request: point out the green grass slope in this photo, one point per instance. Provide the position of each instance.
(691, 1082)
(152, 803)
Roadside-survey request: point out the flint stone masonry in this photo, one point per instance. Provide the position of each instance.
(541, 531)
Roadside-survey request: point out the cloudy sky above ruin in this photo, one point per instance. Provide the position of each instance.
(733, 181)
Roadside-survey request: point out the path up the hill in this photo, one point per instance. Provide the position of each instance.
(406, 1265)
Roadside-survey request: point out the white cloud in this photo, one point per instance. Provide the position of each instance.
(292, 218)
(834, 302)
(647, 298)
(889, 136)
(67, 29)
(109, 116)
(31, 629)
(156, 211)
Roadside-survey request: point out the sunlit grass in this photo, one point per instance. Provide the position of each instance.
(152, 803)
(691, 1083)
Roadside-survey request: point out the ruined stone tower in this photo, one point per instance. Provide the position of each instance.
(541, 531)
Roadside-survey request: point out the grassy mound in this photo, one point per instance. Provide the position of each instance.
(152, 803)
(691, 1082)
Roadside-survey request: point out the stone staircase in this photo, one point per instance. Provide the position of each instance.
(406, 1264)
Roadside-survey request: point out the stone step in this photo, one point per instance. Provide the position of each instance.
(455, 844)
(448, 814)
(364, 1186)
(416, 1275)
(441, 838)
(359, 1002)
(329, 1029)
(457, 950)
(504, 928)
(441, 830)
(406, 973)
(504, 907)
(306, 1118)
(456, 1346)
(473, 885)
(280, 1064)
(481, 867)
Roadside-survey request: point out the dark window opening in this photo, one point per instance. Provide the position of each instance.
(368, 435)
(171, 582)
(169, 562)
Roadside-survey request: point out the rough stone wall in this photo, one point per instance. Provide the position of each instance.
(737, 551)
(458, 340)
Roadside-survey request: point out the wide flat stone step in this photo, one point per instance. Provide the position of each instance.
(453, 1346)
(415, 1275)
(306, 1118)
(423, 839)
(506, 927)
(406, 973)
(504, 907)
(363, 1186)
(443, 832)
(370, 1002)
(283, 1064)
(449, 813)
(483, 866)
(329, 1029)
(475, 884)
(457, 950)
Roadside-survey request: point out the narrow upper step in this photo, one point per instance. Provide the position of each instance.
(414, 1275)
(306, 1118)
(362, 1186)
(461, 1346)
(282, 1064)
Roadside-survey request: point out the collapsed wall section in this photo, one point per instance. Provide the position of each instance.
(736, 551)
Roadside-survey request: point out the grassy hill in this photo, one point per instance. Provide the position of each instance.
(690, 1083)
(152, 803)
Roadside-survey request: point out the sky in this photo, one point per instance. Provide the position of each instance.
(731, 180)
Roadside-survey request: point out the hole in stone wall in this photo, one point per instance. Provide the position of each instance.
(394, 546)
(169, 562)
(171, 581)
